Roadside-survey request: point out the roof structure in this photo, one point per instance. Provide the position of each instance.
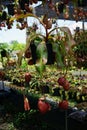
(41, 10)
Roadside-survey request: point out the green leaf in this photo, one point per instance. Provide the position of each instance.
(40, 68)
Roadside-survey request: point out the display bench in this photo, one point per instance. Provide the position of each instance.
(70, 119)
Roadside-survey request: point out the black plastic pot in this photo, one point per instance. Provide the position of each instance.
(50, 54)
(10, 9)
(61, 7)
(33, 52)
(4, 15)
(82, 3)
(3, 53)
(22, 3)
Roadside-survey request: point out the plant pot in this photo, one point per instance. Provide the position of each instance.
(33, 52)
(50, 54)
(3, 53)
(82, 3)
(22, 3)
(61, 7)
(10, 9)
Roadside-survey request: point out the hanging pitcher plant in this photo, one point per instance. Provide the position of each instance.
(49, 39)
(23, 10)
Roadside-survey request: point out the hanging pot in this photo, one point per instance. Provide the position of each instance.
(3, 53)
(61, 7)
(33, 52)
(50, 55)
(4, 15)
(82, 3)
(22, 3)
(10, 8)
